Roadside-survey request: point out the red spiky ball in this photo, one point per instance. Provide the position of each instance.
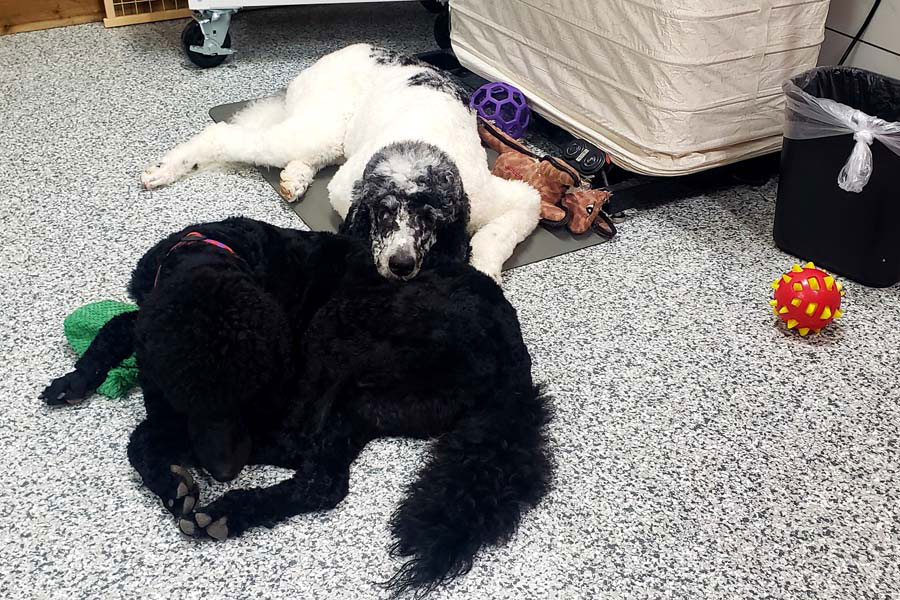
(807, 298)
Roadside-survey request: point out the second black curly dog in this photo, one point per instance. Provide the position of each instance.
(271, 346)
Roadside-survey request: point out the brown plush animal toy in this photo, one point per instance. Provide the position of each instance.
(584, 209)
(557, 183)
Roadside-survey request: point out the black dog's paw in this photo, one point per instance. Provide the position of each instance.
(219, 520)
(203, 524)
(71, 388)
(184, 493)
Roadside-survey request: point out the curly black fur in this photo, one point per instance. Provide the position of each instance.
(297, 354)
(386, 56)
(441, 82)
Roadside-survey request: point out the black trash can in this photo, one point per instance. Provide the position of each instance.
(854, 234)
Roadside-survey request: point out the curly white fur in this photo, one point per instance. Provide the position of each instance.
(345, 107)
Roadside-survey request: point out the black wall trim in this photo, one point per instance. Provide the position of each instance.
(850, 37)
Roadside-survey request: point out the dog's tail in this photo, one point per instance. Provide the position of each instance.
(481, 478)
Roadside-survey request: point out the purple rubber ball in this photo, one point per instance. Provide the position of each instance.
(503, 104)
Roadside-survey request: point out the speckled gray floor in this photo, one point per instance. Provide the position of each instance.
(703, 451)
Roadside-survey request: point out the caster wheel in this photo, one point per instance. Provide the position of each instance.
(442, 30)
(434, 6)
(193, 36)
(755, 172)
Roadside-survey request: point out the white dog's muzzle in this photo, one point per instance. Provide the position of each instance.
(398, 255)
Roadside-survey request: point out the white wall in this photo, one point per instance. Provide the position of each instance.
(879, 49)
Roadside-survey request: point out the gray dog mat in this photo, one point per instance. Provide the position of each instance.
(316, 211)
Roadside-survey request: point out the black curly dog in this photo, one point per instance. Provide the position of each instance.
(262, 345)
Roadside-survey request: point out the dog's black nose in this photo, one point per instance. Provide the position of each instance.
(223, 474)
(402, 264)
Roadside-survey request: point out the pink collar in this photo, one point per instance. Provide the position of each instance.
(194, 237)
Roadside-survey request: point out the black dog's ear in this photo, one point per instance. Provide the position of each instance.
(458, 242)
(451, 246)
(358, 223)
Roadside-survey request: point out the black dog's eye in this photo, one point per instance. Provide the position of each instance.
(385, 212)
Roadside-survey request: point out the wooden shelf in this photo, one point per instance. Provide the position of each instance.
(29, 15)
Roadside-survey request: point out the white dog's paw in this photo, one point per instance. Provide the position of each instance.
(291, 189)
(295, 179)
(157, 176)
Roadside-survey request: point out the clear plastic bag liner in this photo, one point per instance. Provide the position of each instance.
(830, 101)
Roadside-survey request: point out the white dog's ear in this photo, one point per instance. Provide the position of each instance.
(451, 180)
(359, 190)
(368, 189)
(450, 186)
(358, 223)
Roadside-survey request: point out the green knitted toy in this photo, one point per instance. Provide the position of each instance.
(81, 328)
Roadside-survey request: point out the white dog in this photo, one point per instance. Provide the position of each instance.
(413, 164)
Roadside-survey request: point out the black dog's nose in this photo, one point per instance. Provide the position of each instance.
(402, 264)
(223, 474)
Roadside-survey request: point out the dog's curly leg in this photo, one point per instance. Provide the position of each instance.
(320, 483)
(513, 211)
(157, 450)
(113, 344)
